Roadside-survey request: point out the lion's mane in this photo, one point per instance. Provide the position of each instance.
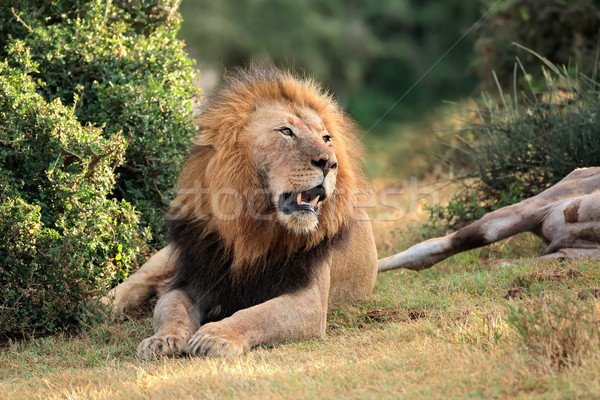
(240, 259)
(220, 161)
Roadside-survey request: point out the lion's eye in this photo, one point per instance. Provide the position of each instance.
(327, 138)
(286, 131)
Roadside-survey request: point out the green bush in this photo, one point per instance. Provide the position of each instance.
(95, 119)
(61, 238)
(517, 146)
(120, 67)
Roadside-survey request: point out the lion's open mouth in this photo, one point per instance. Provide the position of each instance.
(307, 200)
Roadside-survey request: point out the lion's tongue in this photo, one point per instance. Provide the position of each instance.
(304, 198)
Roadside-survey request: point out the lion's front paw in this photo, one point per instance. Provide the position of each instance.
(167, 345)
(214, 339)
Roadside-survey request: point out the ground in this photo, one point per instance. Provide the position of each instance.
(469, 327)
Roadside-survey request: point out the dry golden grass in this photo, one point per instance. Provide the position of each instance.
(444, 334)
(398, 208)
(440, 333)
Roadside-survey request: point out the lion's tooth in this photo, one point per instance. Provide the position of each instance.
(299, 198)
(314, 202)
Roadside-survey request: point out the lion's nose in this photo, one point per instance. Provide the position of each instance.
(324, 164)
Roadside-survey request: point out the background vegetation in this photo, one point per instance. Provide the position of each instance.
(369, 54)
(565, 32)
(515, 146)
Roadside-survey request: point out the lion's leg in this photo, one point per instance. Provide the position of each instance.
(298, 315)
(174, 321)
(149, 280)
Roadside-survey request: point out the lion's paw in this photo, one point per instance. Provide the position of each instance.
(215, 340)
(156, 346)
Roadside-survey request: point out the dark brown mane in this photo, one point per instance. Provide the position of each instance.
(204, 272)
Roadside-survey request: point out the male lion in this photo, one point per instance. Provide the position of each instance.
(264, 234)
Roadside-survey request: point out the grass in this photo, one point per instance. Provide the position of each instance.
(470, 327)
(443, 332)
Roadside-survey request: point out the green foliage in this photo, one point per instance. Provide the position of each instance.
(565, 32)
(556, 332)
(61, 237)
(120, 67)
(518, 146)
(95, 120)
(368, 53)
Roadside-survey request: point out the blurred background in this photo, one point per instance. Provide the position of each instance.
(393, 64)
(367, 53)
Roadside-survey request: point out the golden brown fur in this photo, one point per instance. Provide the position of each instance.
(227, 162)
(241, 164)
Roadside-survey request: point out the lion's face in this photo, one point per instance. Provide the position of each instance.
(295, 159)
(275, 168)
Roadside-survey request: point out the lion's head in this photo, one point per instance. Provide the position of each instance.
(295, 157)
(275, 166)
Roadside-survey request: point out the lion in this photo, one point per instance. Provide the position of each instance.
(265, 234)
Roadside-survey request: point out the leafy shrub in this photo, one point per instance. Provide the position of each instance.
(556, 332)
(120, 67)
(61, 238)
(95, 119)
(517, 146)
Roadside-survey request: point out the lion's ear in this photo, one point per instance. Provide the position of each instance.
(203, 141)
(221, 125)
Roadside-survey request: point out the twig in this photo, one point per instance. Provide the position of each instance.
(156, 188)
(77, 156)
(20, 20)
(98, 157)
(122, 150)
